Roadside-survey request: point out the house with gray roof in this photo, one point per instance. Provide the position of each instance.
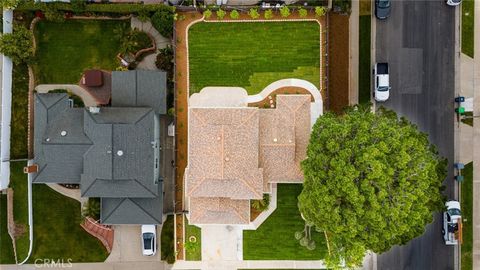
(113, 153)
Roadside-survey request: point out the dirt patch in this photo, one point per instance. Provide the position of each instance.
(19, 230)
(181, 120)
(338, 73)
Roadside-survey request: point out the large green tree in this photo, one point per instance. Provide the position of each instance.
(371, 181)
(17, 45)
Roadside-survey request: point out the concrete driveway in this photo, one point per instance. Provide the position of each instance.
(127, 245)
(222, 243)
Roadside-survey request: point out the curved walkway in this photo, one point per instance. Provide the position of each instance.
(88, 100)
(160, 42)
(68, 192)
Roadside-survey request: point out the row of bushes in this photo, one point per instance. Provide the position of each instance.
(285, 12)
(79, 6)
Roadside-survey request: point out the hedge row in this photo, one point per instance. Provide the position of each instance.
(121, 8)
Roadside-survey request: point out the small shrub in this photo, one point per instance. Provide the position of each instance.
(268, 14)
(207, 14)
(165, 61)
(162, 20)
(261, 205)
(78, 6)
(53, 14)
(143, 15)
(253, 13)
(221, 14)
(92, 208)
(302, 12)
(18, 45)
(320, 11)
(284, 11)
(234, 14)
(9, 4)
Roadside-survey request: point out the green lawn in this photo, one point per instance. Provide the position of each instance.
(167, 247)
(466, 206)
(364, 87)
(19, 126)
(57, 231)
(275, 238)
(66, 49)
(19, 184)
(467, 27)
(194, 252)
(6, 248)
(252, 55)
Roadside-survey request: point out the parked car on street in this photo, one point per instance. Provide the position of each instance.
(382, 82)
(382, 9)
(452, 222)
(453, 3)
(149, 240)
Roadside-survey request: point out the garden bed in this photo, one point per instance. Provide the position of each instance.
(338, 73)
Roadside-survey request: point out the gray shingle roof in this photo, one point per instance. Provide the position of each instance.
(113, 155)
(126, 210)
(121, 163)
(140, 88)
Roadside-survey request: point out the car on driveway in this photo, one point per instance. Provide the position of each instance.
(382, 9)
(453, 3)
(149, 240)
(382, 82)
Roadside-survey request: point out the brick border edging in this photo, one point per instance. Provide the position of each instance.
(321, 82)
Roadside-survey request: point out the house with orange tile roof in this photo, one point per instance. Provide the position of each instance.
(235, 154)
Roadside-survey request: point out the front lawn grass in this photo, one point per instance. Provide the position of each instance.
(364, 87)
(252, 55)
(57, 231)
(6, 248)
(467, 27)
(19, 184)
(167, 240)
(275, 238)
(19, 126)
(66, 49)
(194, 249)
(466, 207)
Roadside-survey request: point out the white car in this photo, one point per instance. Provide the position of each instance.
(453, 2)
(149, 240)
(382, 82)
(452, 219)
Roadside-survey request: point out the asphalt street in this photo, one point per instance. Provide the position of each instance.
(418, 42)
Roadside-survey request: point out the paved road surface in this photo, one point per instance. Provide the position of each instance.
(418, 41)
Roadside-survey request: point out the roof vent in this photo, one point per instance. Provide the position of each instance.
(275, 140)
(227, 159)
(63, 133)
(119, 153)
(47, 139)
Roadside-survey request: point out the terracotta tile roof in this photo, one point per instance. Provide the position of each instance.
(219, 211)
(235, 153)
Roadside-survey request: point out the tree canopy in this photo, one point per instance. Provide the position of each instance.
(17, 45)
(371, 181)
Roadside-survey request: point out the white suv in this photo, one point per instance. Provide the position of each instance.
(149, 240)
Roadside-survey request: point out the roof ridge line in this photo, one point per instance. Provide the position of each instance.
(114, 209)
